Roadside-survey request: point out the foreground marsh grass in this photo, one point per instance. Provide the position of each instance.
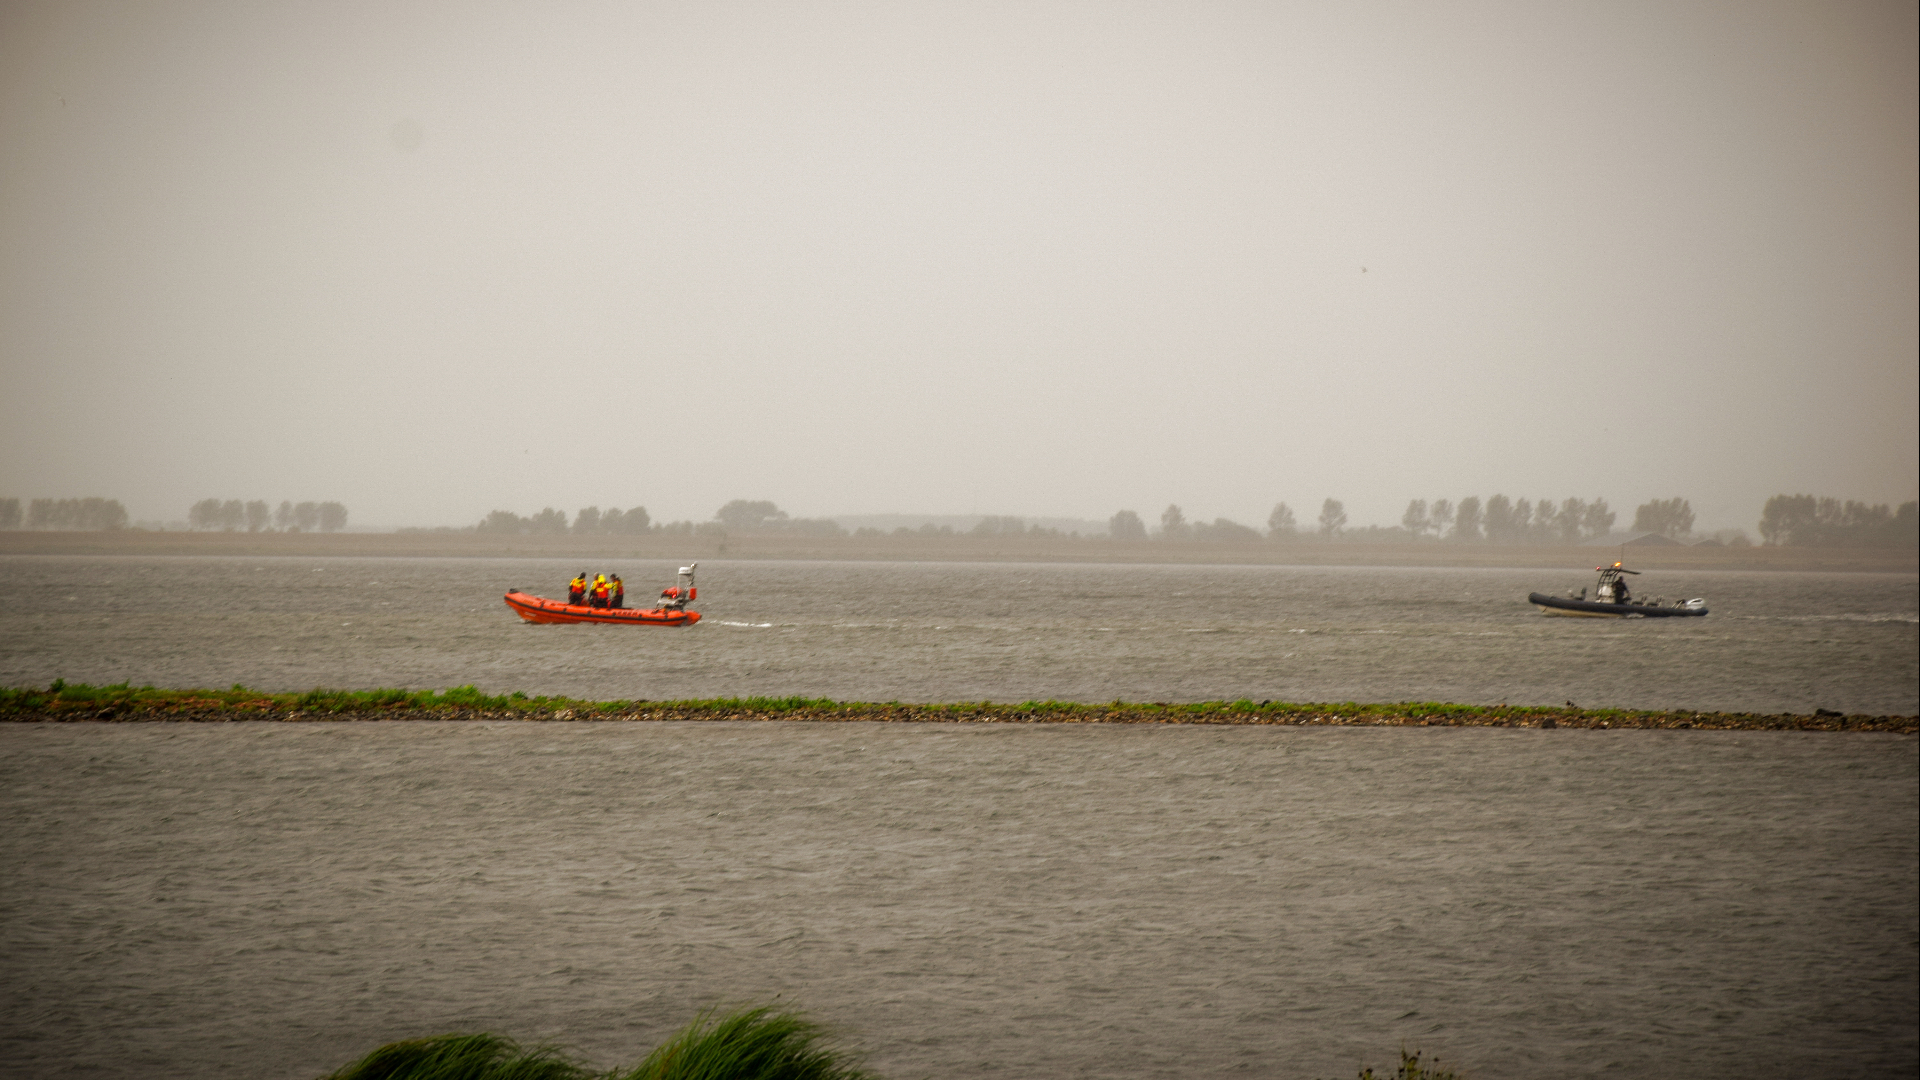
(63, 701)
(1414, 1066)
(760, 1043)
(480, 1056)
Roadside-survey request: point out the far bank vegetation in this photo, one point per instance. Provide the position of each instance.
(233, 515)
(1497, 520)
(1785, 521)
(64, 515)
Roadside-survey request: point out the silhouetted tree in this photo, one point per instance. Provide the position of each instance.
(1333, 518)
(548, 520)
(283, 516)
(1544, 514)
(502, 521)
(1598, 520)
(1440, 516)
(1787, 518)
(1281, 524)
(1173, 523)
(1571, 522)
(1497, 519)
(588, 520)
(1668, 517)
(204, 514)
(333, 517)
(233, 515)
(633, 521)
(1466, 520)
(258, 516)
(1415, 519)
(749, 515)
(10, 514)
(1126, 525)
(306, 516)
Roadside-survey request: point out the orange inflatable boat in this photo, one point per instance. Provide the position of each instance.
(671, 612)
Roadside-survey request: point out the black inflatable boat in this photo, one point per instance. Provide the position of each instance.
(1613, 600)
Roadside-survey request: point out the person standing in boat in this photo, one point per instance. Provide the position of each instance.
(577, 589)
(599, 599)
(619, 592)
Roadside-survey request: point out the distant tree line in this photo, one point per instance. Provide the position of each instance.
(1507, 521)
(1803, 520)
(1499, 520)
(1788, 519)
(64, 515)
(233, 515)
(740, 516)
(991, 527)
(590, 520)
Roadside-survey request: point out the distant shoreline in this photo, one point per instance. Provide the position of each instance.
(768, 546)
(121, 704)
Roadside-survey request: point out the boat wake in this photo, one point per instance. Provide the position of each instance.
(1851, 617)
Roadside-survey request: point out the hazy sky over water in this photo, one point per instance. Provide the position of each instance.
(1026, 258)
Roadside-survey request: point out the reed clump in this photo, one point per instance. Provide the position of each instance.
(1414, 1066)
(479, 1056)
(756, 1043)
(749, 1044)
(63, 701)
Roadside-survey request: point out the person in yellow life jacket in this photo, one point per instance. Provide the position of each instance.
(599, 591)
(577, 589)
(619, 592)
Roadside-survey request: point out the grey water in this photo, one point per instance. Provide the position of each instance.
(1775, 642)
(272, 900)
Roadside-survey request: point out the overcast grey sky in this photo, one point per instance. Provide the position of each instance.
(432, 259)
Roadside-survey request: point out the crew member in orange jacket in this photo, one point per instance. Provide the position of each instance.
(619, 592)
(577, 589)
(599, 591)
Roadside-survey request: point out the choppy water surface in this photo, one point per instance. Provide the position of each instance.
(272, 900)
(266, 901)
(1776, 642)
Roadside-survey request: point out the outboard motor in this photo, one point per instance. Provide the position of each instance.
(676, 597)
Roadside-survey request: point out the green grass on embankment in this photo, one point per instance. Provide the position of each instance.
(65, 701)
(760, 1043)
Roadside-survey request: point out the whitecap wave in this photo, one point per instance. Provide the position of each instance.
(1866, 617)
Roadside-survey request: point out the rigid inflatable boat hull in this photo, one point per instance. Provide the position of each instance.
(537, 609)
(1594, 609)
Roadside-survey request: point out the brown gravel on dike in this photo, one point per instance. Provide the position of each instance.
(217, 713)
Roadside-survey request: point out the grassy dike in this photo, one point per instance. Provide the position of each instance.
(64, 702)
(761, 1043)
